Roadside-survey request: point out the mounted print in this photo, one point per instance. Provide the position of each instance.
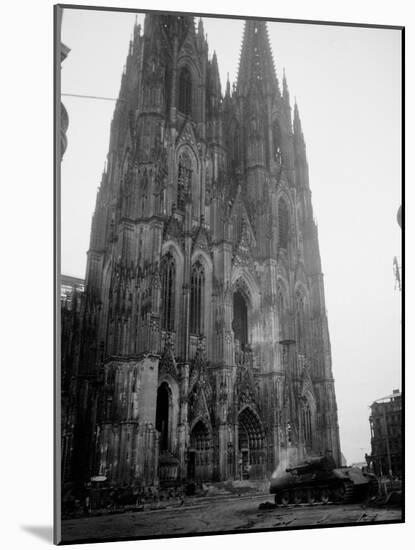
(228, 304)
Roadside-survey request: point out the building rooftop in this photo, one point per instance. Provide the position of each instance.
(391, 397)
(69, 284)
(71, 280)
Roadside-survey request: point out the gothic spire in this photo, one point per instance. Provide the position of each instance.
(298, 131)
(286, 98)
(300, 151)
(200, 28)
(201, 37)
(228, 87)
(256, 63)
(216, 87)
(137, 28)
(285, 92)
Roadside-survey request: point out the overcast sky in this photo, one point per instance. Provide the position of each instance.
(347, 82)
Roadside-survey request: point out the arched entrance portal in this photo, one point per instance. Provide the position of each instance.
(200, 453)
(251, 444)
(240, 319)
(163, 415)
(166, 413)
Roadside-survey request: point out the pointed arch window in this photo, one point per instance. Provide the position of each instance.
(168, 279)
(280, 300)
(276, 145)
(281, 305)
(234, 143)
(144, 194)
(196, 298)
(163, 415)
(185, 91)
(240, 319)
(299, 314)
(184, 179)
(307, 425)
(167, 87)
(283, 223)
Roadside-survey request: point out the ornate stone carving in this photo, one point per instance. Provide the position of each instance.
(168, 365)
(201, 241)
(246, 387)
(174, 229)
(187, 135)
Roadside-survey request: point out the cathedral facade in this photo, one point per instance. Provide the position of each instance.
(203, 350)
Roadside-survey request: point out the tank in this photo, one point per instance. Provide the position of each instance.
(318, 480)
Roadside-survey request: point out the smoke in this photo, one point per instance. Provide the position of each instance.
(287, 460)
(280, 470)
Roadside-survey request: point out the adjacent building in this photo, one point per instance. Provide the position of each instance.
(202, 350)
(386, 434)
(71, 296)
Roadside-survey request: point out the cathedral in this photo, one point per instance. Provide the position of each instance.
(199, 347)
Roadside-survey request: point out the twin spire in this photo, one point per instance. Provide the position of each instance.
(256, 65)
(256, 68)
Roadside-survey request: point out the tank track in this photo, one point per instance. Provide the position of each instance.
(349, 493)
(312, 495)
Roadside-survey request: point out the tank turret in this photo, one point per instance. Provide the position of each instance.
(311, 465)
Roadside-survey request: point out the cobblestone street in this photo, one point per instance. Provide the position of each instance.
(215, 514)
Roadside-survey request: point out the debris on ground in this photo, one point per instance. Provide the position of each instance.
(394, 498)
(323, 519)
(266, 506)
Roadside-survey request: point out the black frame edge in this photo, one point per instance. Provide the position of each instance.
(57, 517)
(241, 16)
